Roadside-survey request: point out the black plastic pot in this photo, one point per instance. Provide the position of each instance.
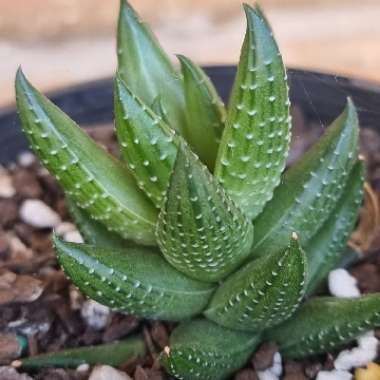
(321, 97)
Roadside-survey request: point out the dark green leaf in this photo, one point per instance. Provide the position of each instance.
(324, 324)
(200, 231)
(146, 68)
(205, 112)
(255, 142)
(263, 293)
(203, 350)
(135, 280)
(147, 143)
(90, 176)
(113, 354)
(311, 188)
(324, 251)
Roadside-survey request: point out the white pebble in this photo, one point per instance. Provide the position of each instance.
(359, 356)
(84, 367)
(25, 159)
(64, 228)
(73, 237)
(274, 372)
(6, 186)
(38, 214)
(334, 375)
(106, 372)
(342, 284)
(95, 314)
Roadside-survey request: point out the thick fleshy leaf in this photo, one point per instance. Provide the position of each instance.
(255, 142)
(148, 145)
(205, 112)
(146, 68)
(263, 293)
(93, 232)
(135, 280)
(325, 249)
(114, 354)
(200, 231)
(311, 188)
(203, 350)
(90, 176)
(325, 323)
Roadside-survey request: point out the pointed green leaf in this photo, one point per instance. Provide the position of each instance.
(114, 354)
(134, 280)
(159, 110)
(200, 231)
(255, 142)
(263, 293)
(146, 68)
(325, 323)
(92, 231)
(90, 176)
(203, 350)
(148, 145)
(311, 188)
(324, 251)
(205, 112)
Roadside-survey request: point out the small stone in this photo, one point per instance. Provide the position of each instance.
(334, 375)
(26, 159)
(263, 357)
(84, 367)
(105, 372)
(10, 373)
(246, 374)
(38, 214)
(95, 314)
(64, 227)
(342, 284)
(9, 212)
(7, 190)
(372, 372)
(120, 327)
(26, 184)
(73, 237)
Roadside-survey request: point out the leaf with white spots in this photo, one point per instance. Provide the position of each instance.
(148, 145)
(324, 324)
(93, 179)
(255, 142)
(205, 112)
(263, 293)
(137, 281)
(200, 230)
(146, 68)
(311, 188)
(92, 231)
(325, 250)
(202, 350)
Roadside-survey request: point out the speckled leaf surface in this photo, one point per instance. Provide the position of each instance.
(263, 293)
(325, 249)
(146, 68)
(200, 231)
(94, 232)
(255, 142)
(205, 112)
(324, 324)
(311, 188)
(90, 176)
(203, 350)
(135, 280)
(148, 144)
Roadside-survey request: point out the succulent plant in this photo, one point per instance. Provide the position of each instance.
(196, 222)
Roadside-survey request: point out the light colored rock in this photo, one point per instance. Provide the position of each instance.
(38, 214)
(342, 284)
(105, 372)
(6, 186)
(26, 159)
(73, 237)
(64, 228)
(334, 375)
(84, 367)
(274, 372)
(359, 356)
(95, 314)
(10, 373)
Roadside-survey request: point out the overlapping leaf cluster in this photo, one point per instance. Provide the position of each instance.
(196, 221)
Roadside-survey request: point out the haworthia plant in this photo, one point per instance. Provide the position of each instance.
(234, 242)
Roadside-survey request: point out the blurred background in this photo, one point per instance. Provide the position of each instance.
(62, 42)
